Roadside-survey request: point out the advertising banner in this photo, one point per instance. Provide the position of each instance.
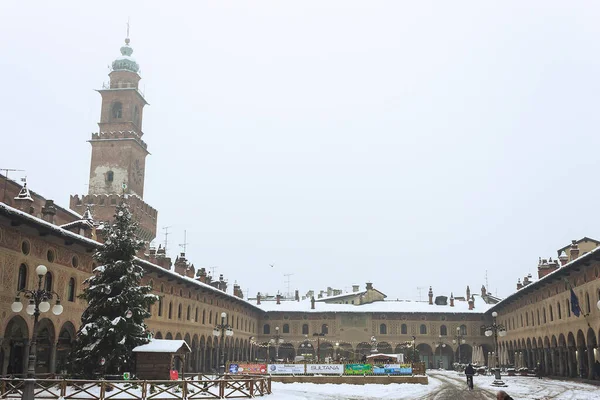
(289, 369)
(393, 369)
(325, 369)
(248, 368)
(358, 369)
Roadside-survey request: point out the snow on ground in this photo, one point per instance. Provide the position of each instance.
(527, 388)
(519, 387)
(312, 391)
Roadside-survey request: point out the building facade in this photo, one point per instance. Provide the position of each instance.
(541, 317)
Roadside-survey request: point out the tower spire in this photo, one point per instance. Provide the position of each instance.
(127, 38)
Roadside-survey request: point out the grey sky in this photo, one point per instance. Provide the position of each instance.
(406, 143)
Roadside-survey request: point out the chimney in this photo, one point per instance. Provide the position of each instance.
(320, 294)
(297, 295)
(468, 292)
(190, 272)
(563, 258)
(180, 264)
(237, 291)
(451, 299)
(430, 295)
(23, 201)
(472, 303)
(574, 251)
(258, 299)
(278, 297)
(355, 288)
(49, 211)
(519, 284)
(312, 303)
(483, 291)
(369, 286)
(329, 292)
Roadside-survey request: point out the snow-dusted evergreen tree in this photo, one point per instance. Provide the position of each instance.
(113, 323)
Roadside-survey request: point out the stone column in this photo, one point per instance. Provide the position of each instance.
(562, 364)
(590, 362)
(26, 349)
(6, 360)
(52, 367)
(572, 362)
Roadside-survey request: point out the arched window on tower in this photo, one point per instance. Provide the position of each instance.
(423, 329)
(403, 329)
(463, 330)
(110, 176)
(266, 329)
(117, 110)
(286, 328)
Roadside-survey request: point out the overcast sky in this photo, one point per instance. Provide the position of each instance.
(405, 143)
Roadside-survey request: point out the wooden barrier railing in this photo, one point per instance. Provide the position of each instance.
(205, 387)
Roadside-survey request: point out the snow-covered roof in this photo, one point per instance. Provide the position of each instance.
(163, 346)
(383, 355)
(554, 274)
(6, 209)
(196, 282)
(385, 306)
(338, 296)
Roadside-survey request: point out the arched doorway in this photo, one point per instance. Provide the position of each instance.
(384, 348)
(363, 350)
(287, 352)
(16, 337)
(45, 347)
(66, 337)
(345, 352)
(464, 354)
(426, 354)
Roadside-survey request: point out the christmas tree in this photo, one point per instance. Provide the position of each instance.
(113, 323)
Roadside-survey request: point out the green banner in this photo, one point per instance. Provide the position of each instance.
(358, 369)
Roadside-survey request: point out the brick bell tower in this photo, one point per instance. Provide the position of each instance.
(118, 163)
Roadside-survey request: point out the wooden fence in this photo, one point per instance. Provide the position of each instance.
(203, 387)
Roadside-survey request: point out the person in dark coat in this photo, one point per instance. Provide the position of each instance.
(538, 370)
(502, 395)
(597, 369)
(469, 372)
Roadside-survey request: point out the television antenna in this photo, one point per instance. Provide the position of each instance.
(6, 171)
(185, 243)
(287, 281)
(420, 288)
(166, 229)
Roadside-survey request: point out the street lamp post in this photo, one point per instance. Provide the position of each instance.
(414, 358)
(222, 330)
(38, 303)
(318, 335)
(440, 344)
(496, 330)
(251, 339)
(276, 340)
(458, 339)
(336, 351)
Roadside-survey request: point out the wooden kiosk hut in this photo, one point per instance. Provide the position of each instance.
(156, 360)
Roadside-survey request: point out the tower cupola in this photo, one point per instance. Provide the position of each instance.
(126, 62)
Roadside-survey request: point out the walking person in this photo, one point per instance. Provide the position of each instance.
(538, 370)
(469, 372)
